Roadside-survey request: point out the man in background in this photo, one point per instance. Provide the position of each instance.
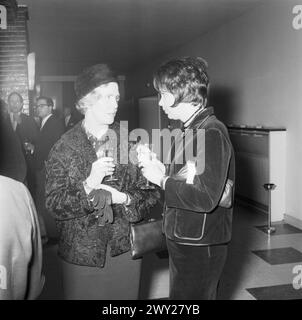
(71, 117)
(26, 130)
(50, 131)
(12, 160)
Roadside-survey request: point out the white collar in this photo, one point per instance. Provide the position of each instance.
(193, 116)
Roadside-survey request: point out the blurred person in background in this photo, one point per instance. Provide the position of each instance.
(12, 159)
(20, 243)
(26, 129)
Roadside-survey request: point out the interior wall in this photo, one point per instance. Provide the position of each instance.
(53, 90)
(68, 94)
(255, 65)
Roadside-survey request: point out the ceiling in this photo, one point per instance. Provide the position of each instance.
(68, 35)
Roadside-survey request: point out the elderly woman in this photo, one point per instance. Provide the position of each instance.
(93, 215)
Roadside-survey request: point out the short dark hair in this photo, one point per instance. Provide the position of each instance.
(186, 78)
(15, 93)
(48, 100)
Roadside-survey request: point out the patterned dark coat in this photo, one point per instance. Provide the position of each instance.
(82, 241)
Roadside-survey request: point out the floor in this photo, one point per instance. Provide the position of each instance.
(259, 266)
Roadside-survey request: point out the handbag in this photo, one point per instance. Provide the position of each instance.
(147, 237)
(227, 197)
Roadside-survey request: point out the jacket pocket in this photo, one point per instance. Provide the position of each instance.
(189, 225)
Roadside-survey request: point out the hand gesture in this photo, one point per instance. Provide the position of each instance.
(154, 171)
(29, 147)
(99, 169)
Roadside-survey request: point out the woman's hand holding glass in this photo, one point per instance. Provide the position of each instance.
(109, 152)
(99, 170)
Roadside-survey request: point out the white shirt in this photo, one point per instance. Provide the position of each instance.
(13, 121)
(67, 119)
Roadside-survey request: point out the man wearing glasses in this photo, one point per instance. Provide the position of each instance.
(50, 132)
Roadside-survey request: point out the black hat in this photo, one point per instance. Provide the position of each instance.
(91, 78)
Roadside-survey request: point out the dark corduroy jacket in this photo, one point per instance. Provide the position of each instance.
(193, 216)
(82, 241)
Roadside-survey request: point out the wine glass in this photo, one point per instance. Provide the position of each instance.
(147, 151)
(109, 152)
(27, 146)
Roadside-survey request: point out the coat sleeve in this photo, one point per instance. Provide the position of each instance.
(205, 193)
(33, 130)
(141, 200)
(65, 194)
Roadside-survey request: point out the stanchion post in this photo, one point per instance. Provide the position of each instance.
(269, 229)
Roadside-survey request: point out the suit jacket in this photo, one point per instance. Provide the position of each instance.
(27, 130)
(12, 161)
(47, 137)
(73, 120)
(82, 240)
(193, 215)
